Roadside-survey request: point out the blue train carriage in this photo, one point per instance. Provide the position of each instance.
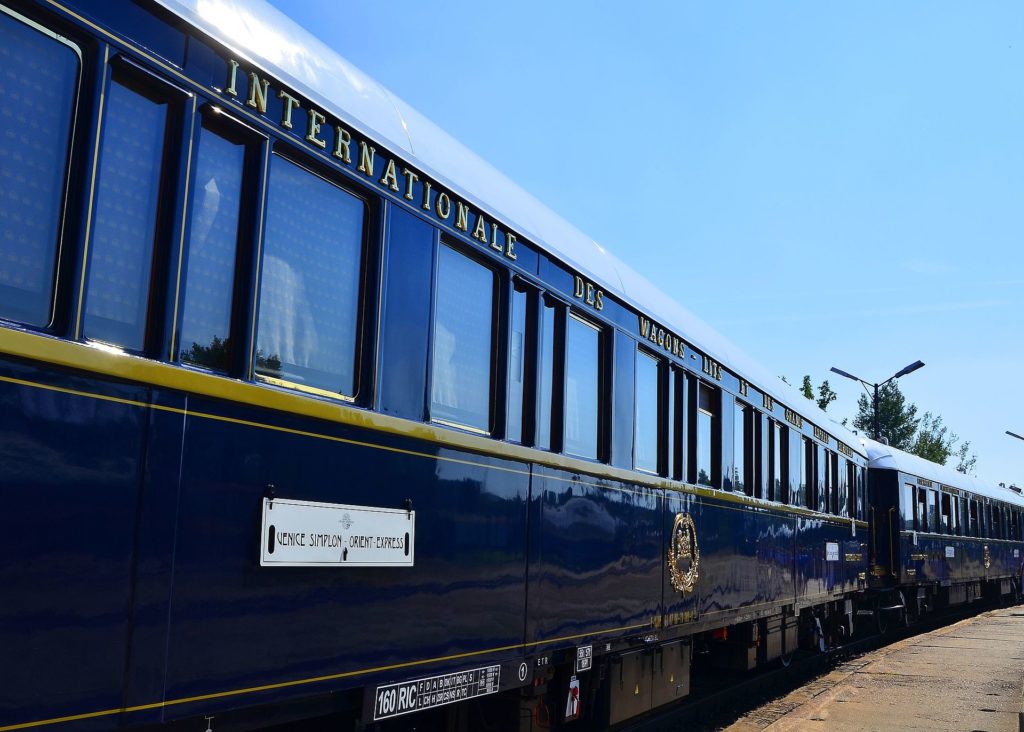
(941, 537)
(310, 412)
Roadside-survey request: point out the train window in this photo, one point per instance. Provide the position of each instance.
(38, 94)
(921, 519)
(460, 381)
(519, 342)
(547, 376)
(213, 242)
(836, 501)
(907, 503)
(125, 218)
(946, 514)
(741, 445)
(706, 409)
(776, 464)
(673, 417)
(582, 393)
(997, 528)
(309, 290)
(974, 518)
(808, 492)
(645, 430)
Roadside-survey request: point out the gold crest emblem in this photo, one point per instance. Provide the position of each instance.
(683, 554)
(988, 558)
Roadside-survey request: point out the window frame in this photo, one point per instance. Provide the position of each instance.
(249, 245)
(601, 449)
(63, 248)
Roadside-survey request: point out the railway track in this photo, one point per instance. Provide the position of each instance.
(716, 700)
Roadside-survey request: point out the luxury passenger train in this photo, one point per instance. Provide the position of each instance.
(309, 414)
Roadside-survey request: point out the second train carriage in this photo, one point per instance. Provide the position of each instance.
(238, 290)
(940, 537)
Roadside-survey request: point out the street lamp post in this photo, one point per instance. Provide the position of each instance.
(875, 387)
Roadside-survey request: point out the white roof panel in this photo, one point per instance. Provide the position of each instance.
(884, 456)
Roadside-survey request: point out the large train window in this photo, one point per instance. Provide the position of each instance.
(702, 465)
(808, 492)
(974, 518)
(776, 463)
(921, 518)
(947, 520)
(38, 96)
(133, 173)
(519, 346)
(742, 445)
(309, 288)
(546, 376)
(582, 390)
(460, 378)
(851, 487)
(907, 503)
(216, 207)
(645, 423)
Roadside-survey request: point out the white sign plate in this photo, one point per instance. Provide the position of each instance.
(950, 552)
(310, 534)
(584, 658)
(831, 551)
(394, 700)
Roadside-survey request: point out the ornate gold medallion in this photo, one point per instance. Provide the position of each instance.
(683, 554)
(988, 558)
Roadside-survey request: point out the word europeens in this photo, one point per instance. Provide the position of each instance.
(393, 175)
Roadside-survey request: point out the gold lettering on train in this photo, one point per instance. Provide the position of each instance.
(342, 145)
(767, 402)
(366, 153)
(410, 181)
(793, 418)
(666, 340)
(820, 434)
(232, 78)
(313, 129)
(488, 233)
(258, 90)
(390, 177)
(744, 388)
(588, 293)
(480, 230)
(290, 103)
(443, 207)
(711, 367)
(461, 216)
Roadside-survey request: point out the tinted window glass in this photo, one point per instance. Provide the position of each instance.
(131, 161)
(309, 291)
(547, 371)
(739, 448)
(775, 485)
(38, 85)
(517, 366)
(647, 399)
(581, 390)
(705, 415)
(213, 240)
(461, 376)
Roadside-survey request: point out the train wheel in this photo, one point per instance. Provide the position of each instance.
(881, 621)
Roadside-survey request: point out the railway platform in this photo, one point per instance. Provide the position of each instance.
(966, 676)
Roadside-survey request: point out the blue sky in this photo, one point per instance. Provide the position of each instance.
(825, 184)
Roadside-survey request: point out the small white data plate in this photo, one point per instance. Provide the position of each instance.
(310, 534)
(394, 700)
(950, 552)
(584, 658)
(831, 551)
(1016, 553)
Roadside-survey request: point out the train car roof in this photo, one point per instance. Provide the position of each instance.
(265, 37)
(886, 457)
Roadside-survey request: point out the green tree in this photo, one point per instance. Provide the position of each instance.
(965, 459)
(825, 394)
(933, 440)
(897, 420)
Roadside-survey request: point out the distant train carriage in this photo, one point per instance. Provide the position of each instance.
(940, 537)
(308, 413)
